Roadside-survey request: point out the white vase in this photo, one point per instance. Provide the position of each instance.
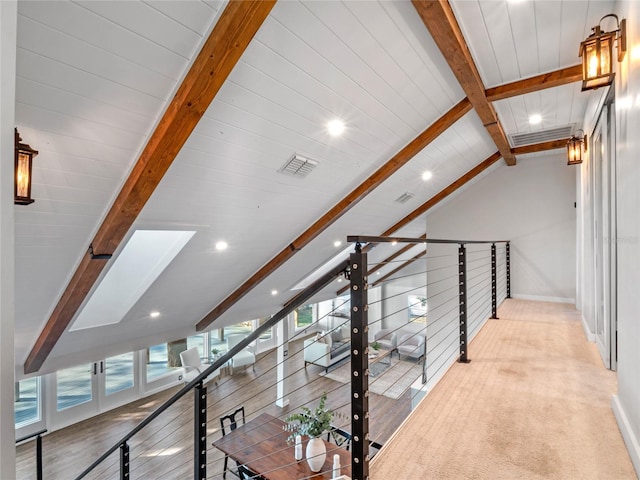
(316, 454)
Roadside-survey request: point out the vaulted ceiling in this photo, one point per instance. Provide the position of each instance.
(138, 130)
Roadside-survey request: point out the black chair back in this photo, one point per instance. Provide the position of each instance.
(246, 473)
(230, 421)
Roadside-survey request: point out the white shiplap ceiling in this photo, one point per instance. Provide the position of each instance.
(93, 79)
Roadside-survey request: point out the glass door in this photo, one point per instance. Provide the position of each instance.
(605, 235)
(91, 388)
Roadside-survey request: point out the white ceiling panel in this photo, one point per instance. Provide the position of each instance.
(94, 76)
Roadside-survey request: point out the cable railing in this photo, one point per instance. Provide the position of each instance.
(371, 382)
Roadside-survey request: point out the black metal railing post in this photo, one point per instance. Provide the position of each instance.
(39, 457)
(200, 432)
(508, 262)
(462, 294)
(494, 283)
(359, 363)
(38, 436)
(124, 461)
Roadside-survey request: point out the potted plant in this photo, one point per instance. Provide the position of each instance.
(215, 352)
(312, 423)
(376, 346)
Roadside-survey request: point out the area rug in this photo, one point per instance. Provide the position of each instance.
(392, 382)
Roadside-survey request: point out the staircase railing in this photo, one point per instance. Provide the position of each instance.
(457, 287)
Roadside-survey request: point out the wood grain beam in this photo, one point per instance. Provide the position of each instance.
(422, 209)
(400, 267)
(439, 19)
(556, 78)
(231, 35)
(541, 147)
(362, 190)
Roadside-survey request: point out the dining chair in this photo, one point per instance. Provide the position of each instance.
(246, 473)
(340, 437)
(229, 423)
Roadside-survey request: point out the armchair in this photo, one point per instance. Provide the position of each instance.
(244, 357)
(193, 366)
(387, 338)
(411, 345)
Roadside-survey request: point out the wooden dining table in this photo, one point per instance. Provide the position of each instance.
(261, 445)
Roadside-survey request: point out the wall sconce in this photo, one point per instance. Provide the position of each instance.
(22, 182)
(574, 148)
(596, 53)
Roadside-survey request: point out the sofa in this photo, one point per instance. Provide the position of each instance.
(327, 348)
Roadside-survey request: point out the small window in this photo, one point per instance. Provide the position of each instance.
(417, 308)
(26, 403)
(303, 316)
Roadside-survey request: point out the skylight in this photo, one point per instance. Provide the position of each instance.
(142, 260)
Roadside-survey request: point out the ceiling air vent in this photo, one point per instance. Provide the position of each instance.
(520, 139)
(298, 166)
(405, 197)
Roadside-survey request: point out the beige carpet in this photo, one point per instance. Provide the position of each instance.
(534, 403)
(392, 382)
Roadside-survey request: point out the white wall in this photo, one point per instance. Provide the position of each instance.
(8, 19)
(627, 401)
(532, 205)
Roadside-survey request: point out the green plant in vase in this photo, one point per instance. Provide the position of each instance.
(376, 346)
(312, 423)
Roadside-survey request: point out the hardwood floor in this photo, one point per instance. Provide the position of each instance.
(164, 449)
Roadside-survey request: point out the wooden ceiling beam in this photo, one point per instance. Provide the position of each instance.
(556, 78)
(439, 19)
(422, 209)
(400, 267)
(541, 147)
(362, 190)
(231, 35)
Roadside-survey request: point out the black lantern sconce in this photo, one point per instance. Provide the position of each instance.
(597, 54)
(574, 148)
(22, 182)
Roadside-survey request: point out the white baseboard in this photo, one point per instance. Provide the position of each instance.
(540, 298)
(630, 439)
(591, 337)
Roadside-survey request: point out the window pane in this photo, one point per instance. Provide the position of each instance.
(242, 327)
(118, 373)
(158, 362)
(304, 316)
(74, 386)
(198, 342)
(417, 308)
(26, 407)
(266, 335)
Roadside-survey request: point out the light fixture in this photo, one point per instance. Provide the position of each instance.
(154, 314)
(335, 127)
(23, 161)
(337, 243)
(535, 119)
(221, 245)
(574, 148)
(596, 52)
(274, 292)
(427, 175)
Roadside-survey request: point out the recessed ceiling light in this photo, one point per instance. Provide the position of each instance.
(221, 245)
(395, 242)
(427, 175)
(535, 119)
(378, 273)
(274, 292)
(335, 127)
(154, 314)
(337, 243)
(339, 279)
